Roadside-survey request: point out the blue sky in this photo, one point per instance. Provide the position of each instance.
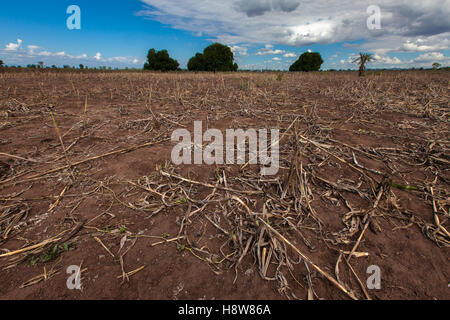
(262, 33)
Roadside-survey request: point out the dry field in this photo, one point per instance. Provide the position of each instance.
(86, 179)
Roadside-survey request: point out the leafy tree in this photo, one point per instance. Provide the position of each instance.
(1, 63)
(436, 65)
(216, 57)
(160, 61)
(81, 67)
(362, 60)
(219, 58)
(196, 63)
(309, 61)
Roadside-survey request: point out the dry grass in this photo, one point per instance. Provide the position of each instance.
(273, 221)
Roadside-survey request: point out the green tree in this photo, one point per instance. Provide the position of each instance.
(436, 65)
(1, 63)
(216, 57)
(362, 60)
(81, 67)
(160, 61)
(196, 63)
(309, 61)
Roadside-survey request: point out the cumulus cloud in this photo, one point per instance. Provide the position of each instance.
(15, 54)
(253, 8)
(32, 48)
(239, 51)
(420, 45)
(385, 61)
(269, 50)
(13, 46)
(302, 23)
(431, 57)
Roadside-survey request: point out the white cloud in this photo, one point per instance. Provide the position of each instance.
(414, 47)
(290, 55)
(45, 53)
(257, 7)
(269, 50)
(239, 50)
(384, 61)
(32, 48)
(421, 45)
(431, 57)
(306, 22)
(14, 54)
(14, 46)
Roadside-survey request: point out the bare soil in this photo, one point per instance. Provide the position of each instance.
(86, 179)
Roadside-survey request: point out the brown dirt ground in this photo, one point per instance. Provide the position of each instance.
(394, 122)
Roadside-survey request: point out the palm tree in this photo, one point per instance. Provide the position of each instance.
(362, 60)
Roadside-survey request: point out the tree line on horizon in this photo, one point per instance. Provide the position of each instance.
(220, 58)
(216, 58)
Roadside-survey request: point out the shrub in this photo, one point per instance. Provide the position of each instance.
(309, 61)
(160, 61)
